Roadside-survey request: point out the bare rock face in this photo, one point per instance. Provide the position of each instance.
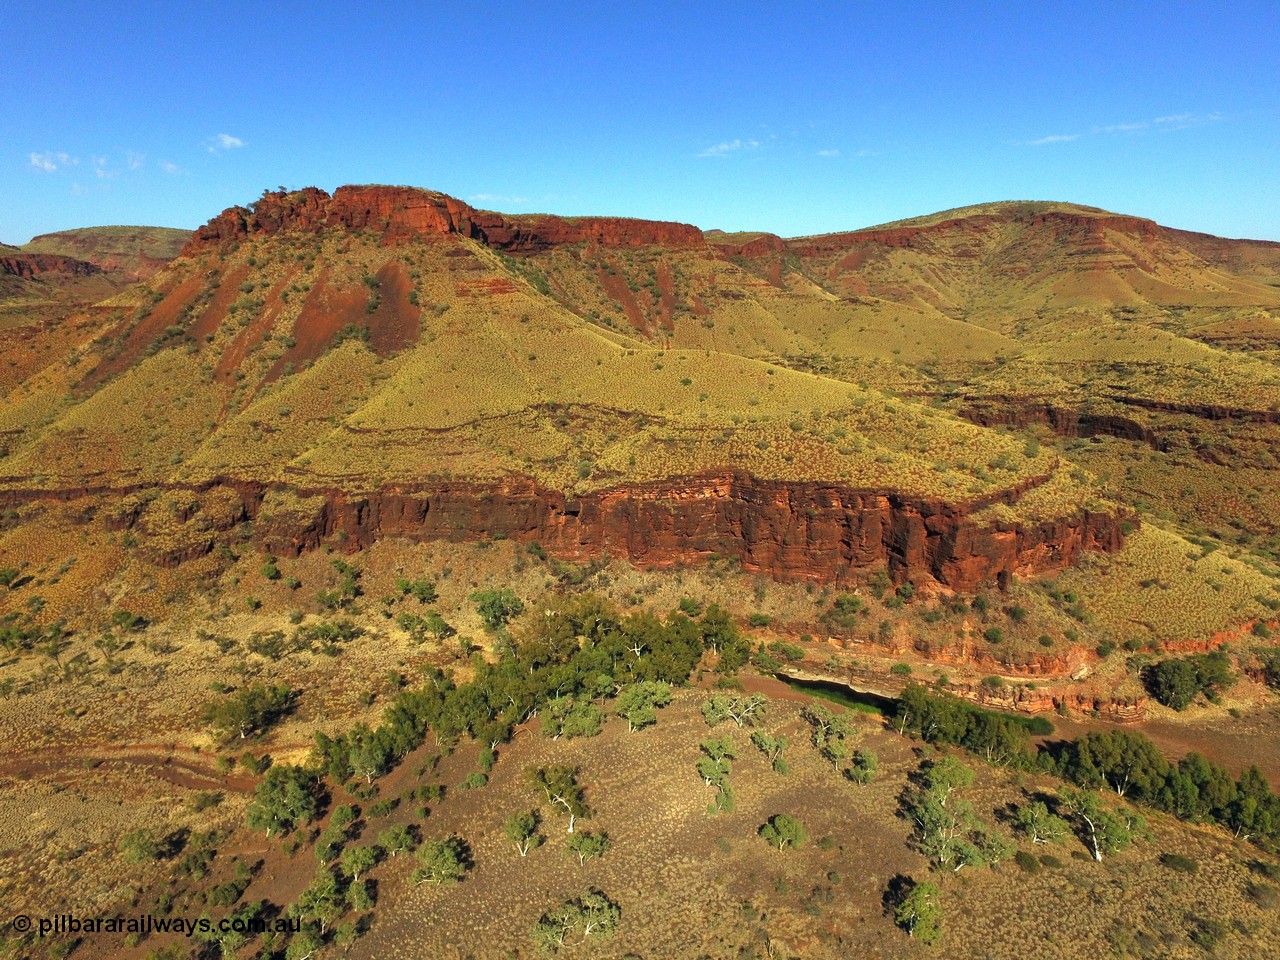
(1022, 699)
(1068, 422)
(32, 265)
(789, 531)
(1011, 698)
(401, 213)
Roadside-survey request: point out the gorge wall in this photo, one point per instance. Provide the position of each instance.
(32, 265)
(786, 530)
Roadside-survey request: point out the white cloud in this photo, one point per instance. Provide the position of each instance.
(135, 160)
(729, 146)
(1180, 120)
(100, 169)
(224, 141)
(168, 167)
(1173, 121)
(828, 153)
(49, 161)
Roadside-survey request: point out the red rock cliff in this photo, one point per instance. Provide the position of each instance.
(401, 213)
(787, 530)
(30, 265)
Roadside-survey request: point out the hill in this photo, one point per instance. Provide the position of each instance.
(388, 361)
(59, 273)
(330, 532)
(382, 361)
(135, 252)
(403, 357)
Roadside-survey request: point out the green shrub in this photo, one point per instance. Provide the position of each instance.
(1039, 726)
(496, 607)
(1026, 862)
(1178, 862)
(1176, 682)
(1264, 895)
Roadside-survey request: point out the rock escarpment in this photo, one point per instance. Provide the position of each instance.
(1070, 422)
(402, 213)
(786, 530)
(1011, 698)
(32, 265)
(790, 531)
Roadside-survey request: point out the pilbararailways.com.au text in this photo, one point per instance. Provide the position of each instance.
(146, 924)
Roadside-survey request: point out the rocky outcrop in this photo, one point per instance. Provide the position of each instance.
(984, 657)
(1068, 422)
(398, 214)
(786, 530)
(1218, 639)
(1025, 699)
(1206, 411)
(32, 265)
(1063, 421)
(1012, 698)
(1066, 222)
(761, 245)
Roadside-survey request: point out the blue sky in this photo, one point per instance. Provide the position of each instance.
(788, 117)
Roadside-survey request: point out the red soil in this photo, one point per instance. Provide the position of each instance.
(253, 334)
(393, 326)
(326, 311)
(163, 315)
(617, 290)
(219, 303)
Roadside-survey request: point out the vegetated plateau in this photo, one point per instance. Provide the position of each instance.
(461, 584)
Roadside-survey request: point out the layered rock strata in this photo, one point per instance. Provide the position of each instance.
(402, 213)
(789, 531)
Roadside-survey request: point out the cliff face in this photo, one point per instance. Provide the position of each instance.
(1021, 699)
(1012, 698)
(786, 530)
(401, 213)
(32, 265)
(1062, 420)
(1080, 423)
(789, 531)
